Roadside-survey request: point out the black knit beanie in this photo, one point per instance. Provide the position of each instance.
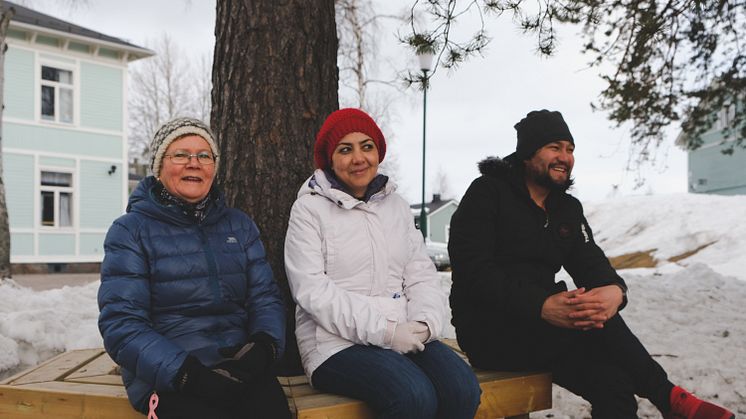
(537, 129)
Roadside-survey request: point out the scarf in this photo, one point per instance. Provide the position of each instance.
(195, 211)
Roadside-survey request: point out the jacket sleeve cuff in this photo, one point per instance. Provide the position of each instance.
(434, 335)
(535, 303)
(388, 336)
(190, 365)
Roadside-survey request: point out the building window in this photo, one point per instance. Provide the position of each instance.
(726, 117)
(56, 199)
(57, 94)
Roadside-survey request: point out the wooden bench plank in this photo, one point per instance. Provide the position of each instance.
(108, 379)
(97, 390)
(303, 391)
(101, 365)
(331, 406)
(57, 367)
(297, 380)
(453, 344)
(81, 382)
(24, 402)
(515, 396)
(489, 375)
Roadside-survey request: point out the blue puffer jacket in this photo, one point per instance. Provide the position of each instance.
(170, 287)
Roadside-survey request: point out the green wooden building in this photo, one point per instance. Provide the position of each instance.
(64, 145)
(711, 171)
(439, 212)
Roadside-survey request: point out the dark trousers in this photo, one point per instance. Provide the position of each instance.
(607, 367)
(266, 400)
(434, 383)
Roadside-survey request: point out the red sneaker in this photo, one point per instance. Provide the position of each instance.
(685, 405)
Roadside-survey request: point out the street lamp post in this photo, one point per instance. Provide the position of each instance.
(426, 63)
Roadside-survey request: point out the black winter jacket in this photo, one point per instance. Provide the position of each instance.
(505, 251)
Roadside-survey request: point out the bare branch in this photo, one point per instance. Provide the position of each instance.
(164, 87)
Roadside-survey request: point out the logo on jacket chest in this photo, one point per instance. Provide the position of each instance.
(231, 240)
(564, 231)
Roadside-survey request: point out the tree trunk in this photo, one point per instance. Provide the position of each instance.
(275, 79)
(5, 16)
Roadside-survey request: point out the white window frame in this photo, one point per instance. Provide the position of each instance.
(75, 86)
(57, 190)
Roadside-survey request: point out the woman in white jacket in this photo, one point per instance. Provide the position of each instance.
(370, 306)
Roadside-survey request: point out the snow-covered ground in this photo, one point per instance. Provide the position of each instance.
(690, 314)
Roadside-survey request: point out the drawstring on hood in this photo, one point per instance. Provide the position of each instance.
(321, 183)
(375, 185)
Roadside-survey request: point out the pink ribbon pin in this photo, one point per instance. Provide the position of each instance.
(153, 404)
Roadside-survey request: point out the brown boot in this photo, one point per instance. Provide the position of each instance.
(685, 405)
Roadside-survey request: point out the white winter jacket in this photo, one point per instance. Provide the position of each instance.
(352, 267)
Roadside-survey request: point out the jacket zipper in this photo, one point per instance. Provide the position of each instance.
(372, 254)
(212, 269)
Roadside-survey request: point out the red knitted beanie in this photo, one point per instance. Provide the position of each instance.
(339, 124)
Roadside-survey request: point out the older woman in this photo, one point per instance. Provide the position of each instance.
(370, 304)
(189, 308)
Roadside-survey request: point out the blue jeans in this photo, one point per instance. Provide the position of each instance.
(429, 384)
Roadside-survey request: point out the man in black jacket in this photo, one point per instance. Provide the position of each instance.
(514, 229)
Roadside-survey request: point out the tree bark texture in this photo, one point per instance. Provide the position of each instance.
(275, 80)
(5, 16)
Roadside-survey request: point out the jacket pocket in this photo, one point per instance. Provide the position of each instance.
(392, 308)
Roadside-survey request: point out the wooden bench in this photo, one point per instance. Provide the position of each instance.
(84, 384)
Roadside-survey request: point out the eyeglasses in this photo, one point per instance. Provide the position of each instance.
(203, 158)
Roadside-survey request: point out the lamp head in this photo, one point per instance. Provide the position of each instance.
(426, 60)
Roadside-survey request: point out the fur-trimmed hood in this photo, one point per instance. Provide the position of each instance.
(506, 170)
(495, 166)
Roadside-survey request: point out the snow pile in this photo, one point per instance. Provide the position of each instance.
(35, 326)
(673, 225)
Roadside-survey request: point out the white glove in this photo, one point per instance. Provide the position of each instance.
(408, 337)
(423, 334)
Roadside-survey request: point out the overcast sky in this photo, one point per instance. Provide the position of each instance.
(470, 112)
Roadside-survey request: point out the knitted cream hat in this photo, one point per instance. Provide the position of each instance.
(173, 130)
